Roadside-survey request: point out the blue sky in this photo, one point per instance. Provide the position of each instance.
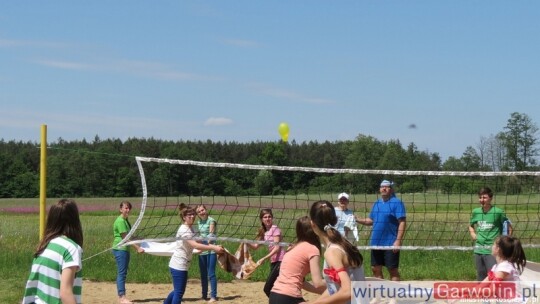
(233, 70)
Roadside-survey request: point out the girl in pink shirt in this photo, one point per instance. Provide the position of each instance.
(301, 259)
(269, 233)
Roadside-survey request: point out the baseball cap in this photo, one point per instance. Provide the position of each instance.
(343, 194)
(386, 183)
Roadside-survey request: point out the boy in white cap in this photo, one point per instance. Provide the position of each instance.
(346, 224)
(388, 218)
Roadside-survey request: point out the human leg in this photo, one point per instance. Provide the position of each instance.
(377, 262)
(481, 268)
(489, 261)
(212, 261)
(484, 263)
(179, 280)
(122, 264)
(203, 269)
(391, 260)
(272, 277)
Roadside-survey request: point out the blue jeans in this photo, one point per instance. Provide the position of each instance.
(207, 267)
(122, 265)
(179, 282)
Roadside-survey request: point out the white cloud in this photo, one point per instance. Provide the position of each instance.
(140, 68)
(22, 43)
(218, 121)
(66, 65)
(288, 94)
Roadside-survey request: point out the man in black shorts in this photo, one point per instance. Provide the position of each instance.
(388, 218)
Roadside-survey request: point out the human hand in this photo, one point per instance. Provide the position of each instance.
(397, 243)
(140, 250)
(259, 262)
(219, 249)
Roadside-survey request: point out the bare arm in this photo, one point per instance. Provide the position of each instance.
(272, 252)
(212, 228)
(253, 246)
(334, 258)
(201, 246)
(510, 229)
(365, 221)
(317, 285)
(212, 232)
(400, 233)
(136, 246)
(66, 285)
(472, 232)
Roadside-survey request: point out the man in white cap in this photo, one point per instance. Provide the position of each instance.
(388, 218)
(346, 224)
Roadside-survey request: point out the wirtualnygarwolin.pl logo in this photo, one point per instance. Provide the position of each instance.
(445, 291)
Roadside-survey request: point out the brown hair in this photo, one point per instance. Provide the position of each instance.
(185, 210)
(485, 190)
(511, 250)
(126, 203)
(262, 229)
(323, 215)
(63, 219)
(305, 233)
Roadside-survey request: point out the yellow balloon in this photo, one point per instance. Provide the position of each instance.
(284, 131)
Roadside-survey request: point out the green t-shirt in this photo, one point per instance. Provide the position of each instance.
(204, 230)
(488, 227)
(121, 225)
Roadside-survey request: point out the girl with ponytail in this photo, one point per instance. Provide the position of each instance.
(342, 260)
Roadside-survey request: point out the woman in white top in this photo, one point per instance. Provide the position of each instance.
(181, 258)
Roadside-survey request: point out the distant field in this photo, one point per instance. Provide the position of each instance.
(19, 229)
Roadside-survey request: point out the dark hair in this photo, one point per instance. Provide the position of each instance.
(510, 248)
(126, 203)
(322, 213)
(485, 190)
(63, 219)
(262, 229)
(185, 210)
(305, 233)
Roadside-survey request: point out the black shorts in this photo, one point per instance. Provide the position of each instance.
(276, 298)
(387, 258)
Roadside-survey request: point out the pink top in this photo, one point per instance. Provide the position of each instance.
(269, 236)
(294, 268)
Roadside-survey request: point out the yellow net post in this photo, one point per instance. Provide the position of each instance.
(43, 182)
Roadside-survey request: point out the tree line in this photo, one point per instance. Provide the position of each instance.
(107, 168)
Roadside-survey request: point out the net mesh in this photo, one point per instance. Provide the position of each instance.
(438, 203)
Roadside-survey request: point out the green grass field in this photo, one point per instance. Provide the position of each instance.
(19, 233)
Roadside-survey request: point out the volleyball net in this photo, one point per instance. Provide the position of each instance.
(438, 203)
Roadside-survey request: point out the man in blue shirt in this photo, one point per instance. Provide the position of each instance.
(388, 218)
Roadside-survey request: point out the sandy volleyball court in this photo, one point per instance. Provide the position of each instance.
(238, 292)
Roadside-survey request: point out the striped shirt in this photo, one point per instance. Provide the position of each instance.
(43, 285)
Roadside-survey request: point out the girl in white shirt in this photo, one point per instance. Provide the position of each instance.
(510, 258)
(181, 258)
(511, 261)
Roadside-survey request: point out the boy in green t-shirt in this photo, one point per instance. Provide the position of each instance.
(486, 225)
